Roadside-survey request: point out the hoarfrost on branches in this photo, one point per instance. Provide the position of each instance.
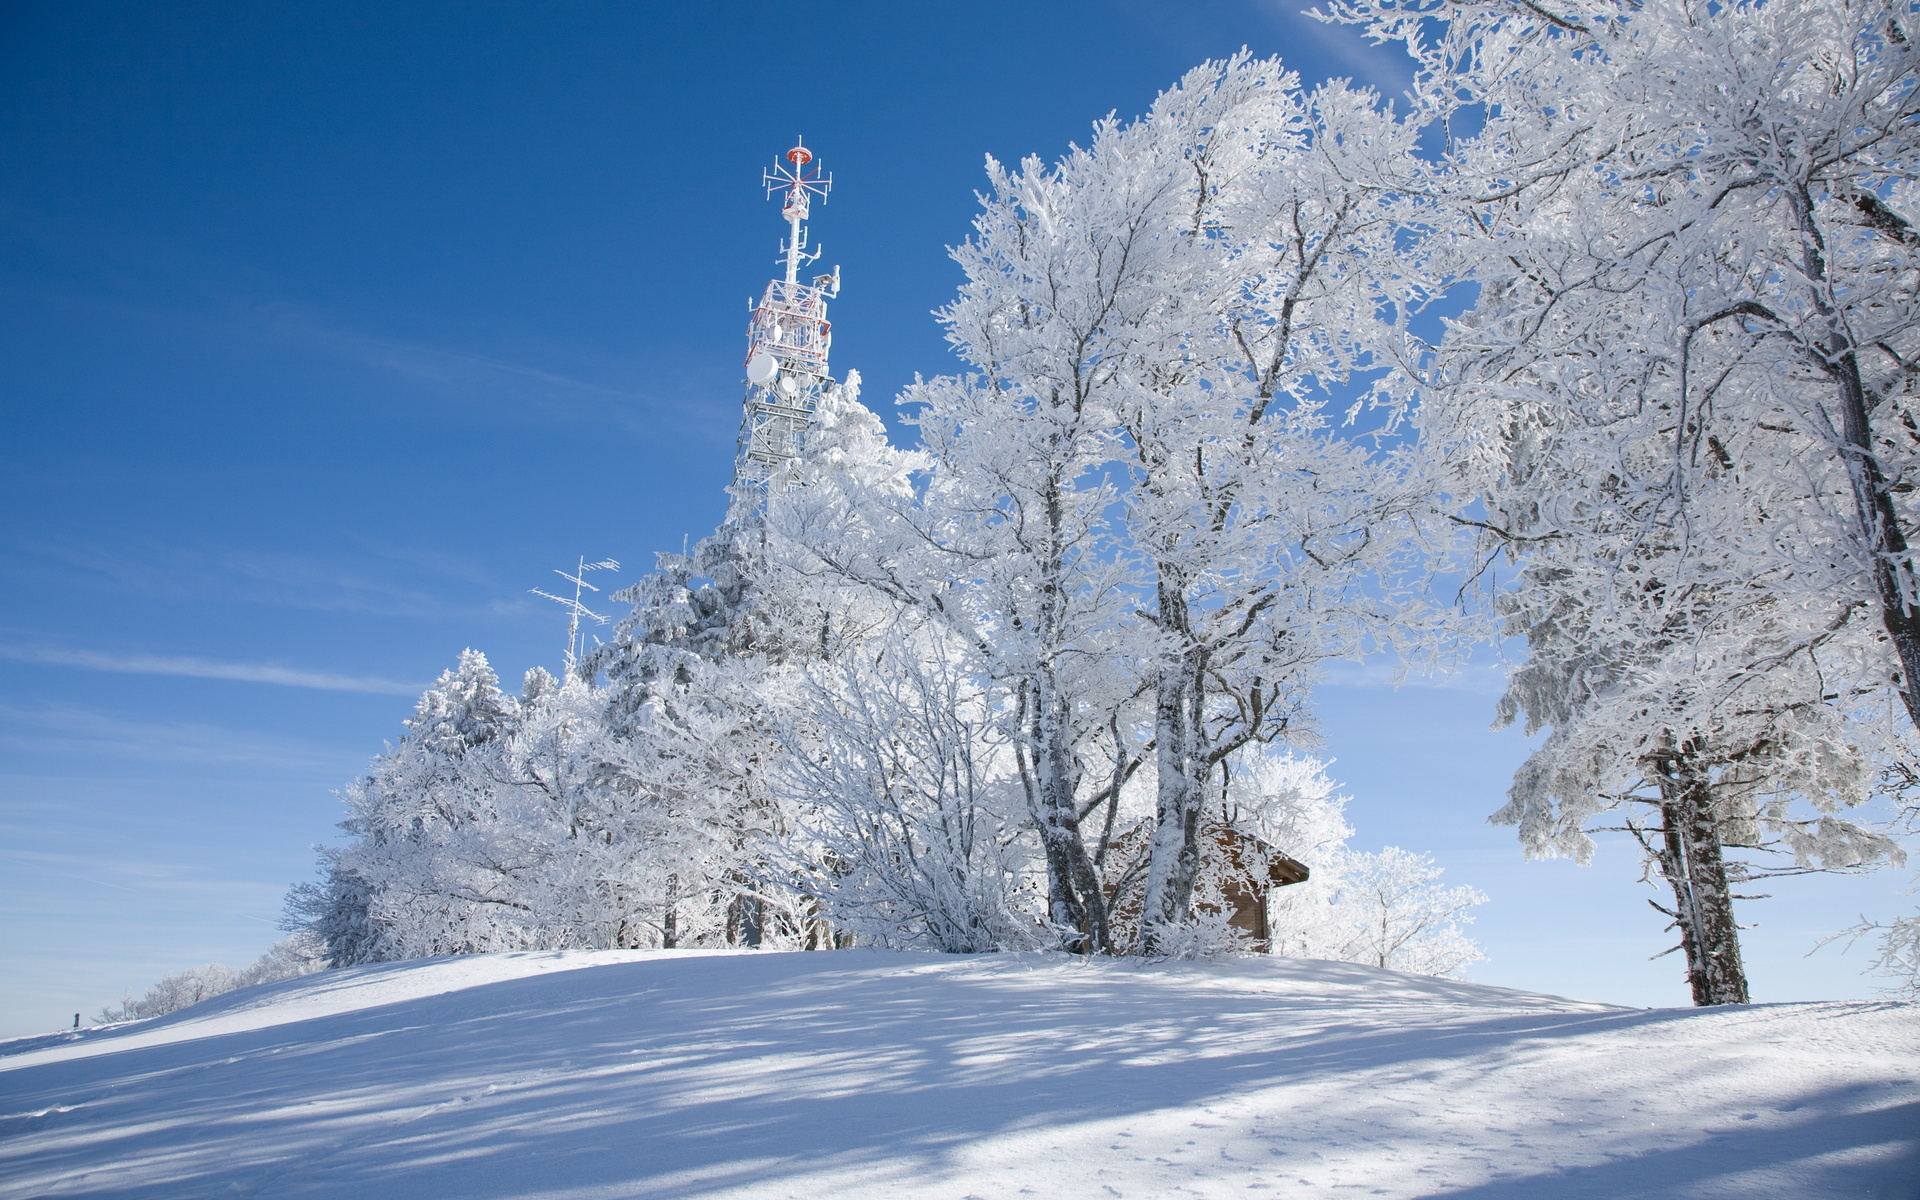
(1680, 404)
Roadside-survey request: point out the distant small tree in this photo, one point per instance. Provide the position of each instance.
(290, 958)
(175, 991)
(1389, 910)
(294, 956)
(1386, 909)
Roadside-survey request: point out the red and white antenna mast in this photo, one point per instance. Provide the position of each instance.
(787, 341)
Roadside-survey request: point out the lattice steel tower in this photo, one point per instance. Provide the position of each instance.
(787, 342)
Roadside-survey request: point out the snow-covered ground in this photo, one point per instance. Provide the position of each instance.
(860, 1073)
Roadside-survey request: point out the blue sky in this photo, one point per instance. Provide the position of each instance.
(328, 330)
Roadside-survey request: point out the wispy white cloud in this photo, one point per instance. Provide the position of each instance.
(426, 584)
(206, 668)
(364, 577)
(567, 383)
(1478, 678)
(82, 734)
(209, 293)
(1387, 69)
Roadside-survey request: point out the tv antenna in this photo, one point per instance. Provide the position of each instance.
(575, 607)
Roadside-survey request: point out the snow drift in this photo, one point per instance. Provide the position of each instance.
(871, 1073)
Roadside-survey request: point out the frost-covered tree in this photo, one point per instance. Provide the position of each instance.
(1271, 539)
(905, 801)
(897, 773)
(1701, 714)
(1000, 541)
(1895, 941)
(1385, 909)
(424, 874)
(1137, 503)
(638, 812)
(175, 991)
(595, 847)
(490, 826)
(440, 847)
(1680, 402)
(337, 910)
(298, 954)
(703, 680)
(541, 826)
(1125, 544)
(1736, 178)
(1895, 950)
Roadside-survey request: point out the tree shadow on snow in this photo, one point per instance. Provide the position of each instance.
(1871, 1152)
(685, 1077)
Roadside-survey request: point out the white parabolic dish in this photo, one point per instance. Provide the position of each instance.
(762, 367)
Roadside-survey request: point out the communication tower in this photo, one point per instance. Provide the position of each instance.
(787, 341)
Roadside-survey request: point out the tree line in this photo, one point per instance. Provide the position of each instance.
(1601, 339)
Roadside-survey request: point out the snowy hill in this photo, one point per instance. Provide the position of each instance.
(854, 1074)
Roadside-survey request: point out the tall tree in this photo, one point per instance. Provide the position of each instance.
(1139, 494)
(1724, 183)
(1681, 403)
(1272, 539)
(427, 872)
(1002, 542)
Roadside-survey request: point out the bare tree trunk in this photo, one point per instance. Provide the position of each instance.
(1672, 861)
(1886, 541)
(1726, 974)
(819, 932)
(1173, 853)
(670, 922)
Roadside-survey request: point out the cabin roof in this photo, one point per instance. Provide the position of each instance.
(1282, 868)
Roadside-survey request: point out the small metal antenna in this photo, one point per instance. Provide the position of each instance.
(575, 608)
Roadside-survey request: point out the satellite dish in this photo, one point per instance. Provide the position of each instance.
(762, 367)
(788, 386)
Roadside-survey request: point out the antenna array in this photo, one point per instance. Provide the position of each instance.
(576, 607)
(788, 339)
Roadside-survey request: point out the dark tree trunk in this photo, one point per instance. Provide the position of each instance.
(744, 918)
(1886, 540)
(1074, 899)
(1880, 524)
(819, 931)
(1672, 860)
(1694, 864)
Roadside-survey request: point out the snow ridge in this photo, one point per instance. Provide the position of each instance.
(868, 1073)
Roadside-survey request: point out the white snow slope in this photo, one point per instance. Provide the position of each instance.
(862, 1073)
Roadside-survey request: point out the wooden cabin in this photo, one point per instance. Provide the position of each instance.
(1237, 871)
